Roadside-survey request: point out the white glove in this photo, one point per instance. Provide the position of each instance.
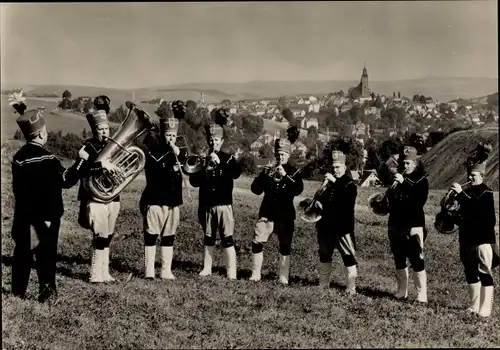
(456, 187)
(83, 154)
(399, 178)
(281, 170)
(330, 177)
(215, 158)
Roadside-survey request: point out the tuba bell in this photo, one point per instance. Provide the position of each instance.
(448, 219)
(120, 152)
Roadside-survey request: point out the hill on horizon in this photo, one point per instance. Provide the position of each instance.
(445, 161)
(119, 96)
(441, 89)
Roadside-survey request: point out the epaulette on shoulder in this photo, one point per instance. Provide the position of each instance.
(486, 190)
(350, 182)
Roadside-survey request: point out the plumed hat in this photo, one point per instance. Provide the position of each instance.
(478, 158)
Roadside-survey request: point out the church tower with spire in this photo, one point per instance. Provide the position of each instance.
(365, 90)
(362, 91)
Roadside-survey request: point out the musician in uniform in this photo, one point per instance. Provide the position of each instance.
(406, 226)
(477, 236)
(96, 215)
(37, 180)
(336, 226)
(162, 196)
(277, 212)
(215, 211)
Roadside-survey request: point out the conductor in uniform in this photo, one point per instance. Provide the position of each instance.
(215, 211)
(162, 196)
(277, 212)
(38, 178)
(96, 215)
(335, 229)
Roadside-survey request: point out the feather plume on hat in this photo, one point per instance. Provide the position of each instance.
(220, 116)
(478, 157)
(292, 131)
(102, 102)
(179, 109)
(17, 101)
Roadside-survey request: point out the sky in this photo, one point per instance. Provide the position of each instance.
(132, 45)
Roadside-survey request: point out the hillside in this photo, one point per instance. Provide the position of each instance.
(491, 100)
(444, 162)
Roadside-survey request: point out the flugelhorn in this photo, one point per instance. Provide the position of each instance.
(379, 202)
(448, 219)
(313, 212)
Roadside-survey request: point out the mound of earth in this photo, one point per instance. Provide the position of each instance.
(445, 161)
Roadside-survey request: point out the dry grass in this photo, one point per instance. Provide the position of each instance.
(444, 162)
(192, 312)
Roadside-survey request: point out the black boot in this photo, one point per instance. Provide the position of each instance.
(47, 294)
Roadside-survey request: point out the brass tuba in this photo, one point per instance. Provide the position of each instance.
(119, 151)
(313, 210)
(379, 202)
(448, 219)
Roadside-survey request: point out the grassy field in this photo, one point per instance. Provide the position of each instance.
(194, 312)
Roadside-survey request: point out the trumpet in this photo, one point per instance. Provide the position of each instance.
(196, 163)
(448, 219)
(272, 172)
(379, 202)
(313, 212)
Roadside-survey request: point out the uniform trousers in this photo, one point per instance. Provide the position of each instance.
(328, 240)
(45, 254)
(162, 221)
(265, 227)
(102, 221)
(219, 219)
(407, 243)
(478, 261)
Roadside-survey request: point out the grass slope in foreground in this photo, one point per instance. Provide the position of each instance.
(191, 312)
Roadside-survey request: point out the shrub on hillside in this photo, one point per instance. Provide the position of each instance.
(248, 164)
(66, 145)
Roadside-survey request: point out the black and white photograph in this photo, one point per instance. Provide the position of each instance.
(250, 175)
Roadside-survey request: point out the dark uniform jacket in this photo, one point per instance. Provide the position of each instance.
(38, 178)
(91, 168)
(338, 201)
(477, 210)
(163, 177)
(278, 196)
(407, 200)
(216, 186)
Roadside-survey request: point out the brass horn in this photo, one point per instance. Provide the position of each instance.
(129, 159)
(195, 163)
(313, 212)
(379, 202)
(448, 219)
